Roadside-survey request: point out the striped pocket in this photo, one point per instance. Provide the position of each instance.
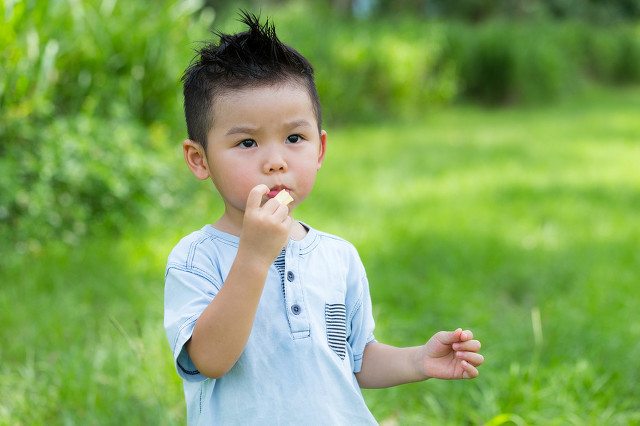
(336, 319)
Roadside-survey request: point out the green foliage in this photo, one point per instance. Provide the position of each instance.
(611, 11)
(78, 172)
(612, 56)
(501, 62)
(596, 11)
(90, 92)
(400, 65)
(366, 69)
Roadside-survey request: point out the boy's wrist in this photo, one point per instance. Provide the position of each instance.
(248, 257)
(419, 363)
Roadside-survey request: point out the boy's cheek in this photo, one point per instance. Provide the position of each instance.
(237, 192)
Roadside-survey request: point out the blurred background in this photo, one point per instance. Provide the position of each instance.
(509, 129)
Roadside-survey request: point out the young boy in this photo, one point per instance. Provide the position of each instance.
(269, 320)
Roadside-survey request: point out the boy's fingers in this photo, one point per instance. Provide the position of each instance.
(470, 372)
(281, 211)
(274, 207)
(469, 345)
(466, 335)
(255, 195)
(472, 358)
(449, 337)
(288, 220)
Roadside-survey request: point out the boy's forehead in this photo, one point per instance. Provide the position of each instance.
(234, 100)
(257, 90)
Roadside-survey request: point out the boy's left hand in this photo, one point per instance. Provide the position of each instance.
(451, 355)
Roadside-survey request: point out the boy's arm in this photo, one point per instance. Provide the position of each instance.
(222, 330)
(447, 355)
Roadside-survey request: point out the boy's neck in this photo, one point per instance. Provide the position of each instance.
(298, 231)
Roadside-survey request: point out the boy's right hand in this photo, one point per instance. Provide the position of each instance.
(228, 320)
(266, 227)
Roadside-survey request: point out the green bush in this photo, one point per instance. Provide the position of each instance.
(628, 69)
(89, 101)
(365, 69)
(400, 65)
(502, 62)
(72, 175)
(487, 62)
(613, 55)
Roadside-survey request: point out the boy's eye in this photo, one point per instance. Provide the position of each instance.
(293, 139)
(247, 143)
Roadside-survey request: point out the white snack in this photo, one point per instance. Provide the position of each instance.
(283, 197)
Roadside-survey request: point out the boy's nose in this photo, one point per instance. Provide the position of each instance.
(275, 162)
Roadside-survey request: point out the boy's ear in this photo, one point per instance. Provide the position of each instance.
(323, 148)
(196, 159)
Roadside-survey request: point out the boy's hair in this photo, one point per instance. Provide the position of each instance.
(249, 59)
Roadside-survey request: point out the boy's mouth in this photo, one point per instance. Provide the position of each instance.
(275, 190)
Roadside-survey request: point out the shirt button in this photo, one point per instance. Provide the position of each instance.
(296, 309)
(290, 276)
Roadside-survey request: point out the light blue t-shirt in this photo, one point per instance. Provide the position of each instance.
(311, 327)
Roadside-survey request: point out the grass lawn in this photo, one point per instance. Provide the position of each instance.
(522, 225)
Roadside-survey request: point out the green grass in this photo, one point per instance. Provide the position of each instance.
(500, 216)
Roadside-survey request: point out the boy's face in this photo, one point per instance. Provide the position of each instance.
(264, 135)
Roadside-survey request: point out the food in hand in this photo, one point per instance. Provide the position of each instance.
(283, 197)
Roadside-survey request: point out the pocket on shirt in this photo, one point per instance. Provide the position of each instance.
(336, 322)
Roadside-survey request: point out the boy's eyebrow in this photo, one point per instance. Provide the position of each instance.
(250, 129)
(239, 129)
(299, 123)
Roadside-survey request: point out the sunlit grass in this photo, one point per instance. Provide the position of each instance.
(471, 218)
(82, 342)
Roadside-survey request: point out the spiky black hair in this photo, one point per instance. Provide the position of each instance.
(255, 57)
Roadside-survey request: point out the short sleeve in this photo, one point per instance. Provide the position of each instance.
(187, 294)
(361, 324)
